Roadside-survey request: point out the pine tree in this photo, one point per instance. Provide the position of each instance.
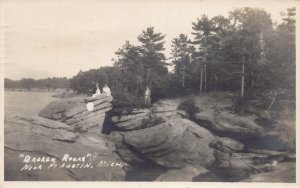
(129, 63)
(154, 60)
(205, 39)
(182, 52)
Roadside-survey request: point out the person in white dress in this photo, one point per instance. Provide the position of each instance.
(98, 92)
(147, 97)
(106, 90)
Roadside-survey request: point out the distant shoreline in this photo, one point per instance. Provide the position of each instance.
(44, 90)
(17, 91)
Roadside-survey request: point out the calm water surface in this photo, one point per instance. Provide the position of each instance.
(27, 103)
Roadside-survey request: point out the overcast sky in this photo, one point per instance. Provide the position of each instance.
(59, 38)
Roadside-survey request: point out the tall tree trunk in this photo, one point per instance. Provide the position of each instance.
(147, 81)
(183, 79)
(205, 54)
(272, 102)
(201, 80)
(215, 82)
(183, 76)
(138, 81)
(243, 75)
(243, 80)
(150, 80)
(211, 81)
(205, 77)
(252, 80)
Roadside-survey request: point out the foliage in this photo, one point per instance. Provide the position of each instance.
(135, 68)
(189, 106)
(126, 99)
(151, 121)
(211, 60)
(29, 83)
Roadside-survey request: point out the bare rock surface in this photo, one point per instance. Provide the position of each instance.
(131, 122)
(73, 111)
(214, 145)
(262, 129)
(284, 172)
(31, 137)
(217, 139)
(175, 143)
(143, 118)
(226, 123)
(184, 174)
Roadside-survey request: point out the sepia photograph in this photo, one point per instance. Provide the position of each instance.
(149, 91)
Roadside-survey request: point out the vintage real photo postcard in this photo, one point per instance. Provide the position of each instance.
(149, 91)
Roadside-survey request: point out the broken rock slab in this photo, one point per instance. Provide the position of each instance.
(176, 143)
(28, 138)
(184, 174)
(73, 111)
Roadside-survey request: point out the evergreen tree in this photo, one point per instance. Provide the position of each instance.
(154, 61)
(247, 46)
(182, 59)
(282, 70)
(129, 63)
(206, 40)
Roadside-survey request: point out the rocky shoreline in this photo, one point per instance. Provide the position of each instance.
(161, 143)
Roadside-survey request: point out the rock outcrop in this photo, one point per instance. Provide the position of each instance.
(73, 111)
(162, 143)
(217, 145)
(176, 143)
(225, 123)
(38, 137)
(144, 118)
(252, 130)
(284, 172)
(184, 174)
(133, 121)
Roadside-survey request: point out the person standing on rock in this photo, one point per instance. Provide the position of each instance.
(147, 97)
(106, 90)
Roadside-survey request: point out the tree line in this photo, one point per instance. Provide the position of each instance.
(244, 52)
(29, 83)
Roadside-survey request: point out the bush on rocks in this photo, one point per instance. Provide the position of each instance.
(189, 107)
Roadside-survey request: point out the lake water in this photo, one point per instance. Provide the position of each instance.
(27, 103)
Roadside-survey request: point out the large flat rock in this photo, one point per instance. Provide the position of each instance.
(175, 143)
(26, 137)
(73, 111)
(186, 174)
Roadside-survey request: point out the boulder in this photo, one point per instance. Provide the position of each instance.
(225, 123)
(233, 166)
(283, 173)
(137, 122)
(37, 126)
(37, 140)
(184, 174)
(143, 118)
(228, 145)
(81, 107)
(274, 130)
(73, 111)
(12, 166)
(36, 120)
(56, 109)
(176, 143)
(133, 120)
(126, 154)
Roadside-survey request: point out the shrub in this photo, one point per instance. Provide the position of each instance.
(126, 99)
(152, 121)
(189, 107)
